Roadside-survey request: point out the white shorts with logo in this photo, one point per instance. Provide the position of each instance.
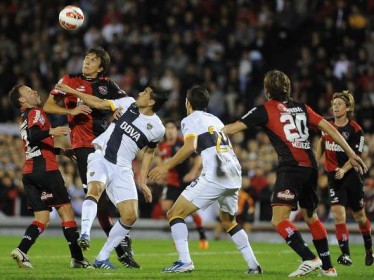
(118, 180)
(203, 193)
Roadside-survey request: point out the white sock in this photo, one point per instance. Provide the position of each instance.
(241, 241)
(116, 235)
(89, 211)
(179, 232)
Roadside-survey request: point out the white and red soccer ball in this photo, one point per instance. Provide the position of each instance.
(71, 17)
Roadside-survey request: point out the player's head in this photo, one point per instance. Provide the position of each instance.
(96, 63)
(23, 96)
(197, 98)
(277, 85)
(171, 129)
(152, 96)
(343, 103)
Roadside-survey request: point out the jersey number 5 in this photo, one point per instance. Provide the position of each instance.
(295, 129)
(221, 139)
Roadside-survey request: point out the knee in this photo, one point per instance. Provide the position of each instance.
(95, 189)
(129, 218)
(360, 217)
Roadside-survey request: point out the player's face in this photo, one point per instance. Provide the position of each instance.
(91, 66)
(144, 98)
(171, 131)
(29, 96)
(339, 108)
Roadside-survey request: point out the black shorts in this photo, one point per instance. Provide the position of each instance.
(171, 192)
(348, 191)
(296, 185)
(82, 156)
(45, 190)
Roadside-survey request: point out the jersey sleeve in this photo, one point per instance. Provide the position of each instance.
(188, 128)
(257, 116)
(36, 118)
(121, 103)
(314, 118)
(153, 144)
(357, 142)
(115, 92)
(58, 92)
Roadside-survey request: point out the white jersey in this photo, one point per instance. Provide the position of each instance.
(133, 131)
(219, 159)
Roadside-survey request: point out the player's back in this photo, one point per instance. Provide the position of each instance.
(219, 160)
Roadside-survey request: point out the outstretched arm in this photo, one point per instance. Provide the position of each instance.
(233, 128)
(52, 106)
(90, 100)
(354, 159)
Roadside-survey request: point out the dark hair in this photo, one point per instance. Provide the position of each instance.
(172, 121)
(160, 96)
(198, 97)
(348, 99)
(277, 85)
(104, 58)
(14, 96)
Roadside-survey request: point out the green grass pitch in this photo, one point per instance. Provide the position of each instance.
(50, 258)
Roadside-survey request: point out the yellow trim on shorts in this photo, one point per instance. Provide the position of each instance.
(231, 227)
(176, 217)
(111, 104)
(190, 135)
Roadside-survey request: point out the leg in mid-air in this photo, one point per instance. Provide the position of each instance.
(70, 230)
(128, 210)
(32, 232)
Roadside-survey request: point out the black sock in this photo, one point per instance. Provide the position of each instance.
(322, 248)
(367, 241)
(296, 242)
(29, 238)
(344, 247)
(71, 235)
(201, 232)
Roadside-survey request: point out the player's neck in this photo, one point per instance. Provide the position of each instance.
(341, 121)
(146, 111)
(171, 141)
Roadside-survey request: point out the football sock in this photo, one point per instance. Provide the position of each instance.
(366, 234)
(71, 234)
(342, 235)
(319, 235)
(179, 232)
(293, 238)
(31, 234)
(199, 226)
(118, 232)
(89, 210)
(241, 241)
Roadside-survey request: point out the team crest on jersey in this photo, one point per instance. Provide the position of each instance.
(38, 117)
(345, 135)
(103, 90)
(149, 126)
(81, 89)
(92, 173)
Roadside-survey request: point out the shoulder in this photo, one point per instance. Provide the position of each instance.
(355, 125)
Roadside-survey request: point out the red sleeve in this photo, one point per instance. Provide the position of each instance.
(64, 80)
(314, 118)
(36, 117)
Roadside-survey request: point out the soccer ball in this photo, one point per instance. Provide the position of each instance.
(71, 17)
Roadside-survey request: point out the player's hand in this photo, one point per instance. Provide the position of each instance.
(117, 114)
(69, 153)
(146, 192)
(64, 88)
(358, 164)
(339, 173)
(59, 131)
(81, 109)
(157, 173)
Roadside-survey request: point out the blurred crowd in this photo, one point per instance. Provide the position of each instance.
(324, 46)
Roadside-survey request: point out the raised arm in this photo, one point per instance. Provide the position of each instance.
(90, 100)
(52, 106)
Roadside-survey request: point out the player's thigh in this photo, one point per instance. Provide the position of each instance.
(228, 201)
(337, 191)
(82, 159)
(122, 187)
(286, 190)
(98, 169)
(355, 191)
(308, 198)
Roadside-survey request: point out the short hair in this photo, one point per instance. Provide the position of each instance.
(348, 99)
(198, 97)
(172, 121)
(104, 58)
(277, 85)
(160, 96)
(14, 96)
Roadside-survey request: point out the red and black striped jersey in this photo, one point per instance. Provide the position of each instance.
(85, 128)
(335, 156)
(287, 125)
(40, 156)
(167, 151)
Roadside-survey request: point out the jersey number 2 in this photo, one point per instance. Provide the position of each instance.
(295, 129)
(221, 139)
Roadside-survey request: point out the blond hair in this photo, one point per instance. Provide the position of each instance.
(348, 99)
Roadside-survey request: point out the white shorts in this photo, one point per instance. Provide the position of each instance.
(203, 193)
(118, 180)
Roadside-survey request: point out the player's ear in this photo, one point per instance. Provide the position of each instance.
(100, 69)
(151, 102)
